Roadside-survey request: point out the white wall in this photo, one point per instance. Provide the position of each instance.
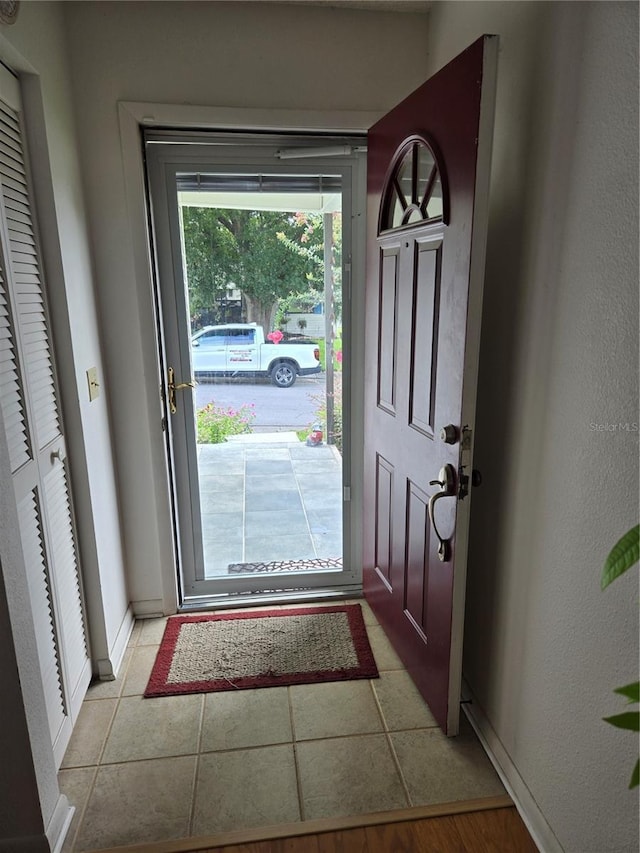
(228, 55)
(544, 646)
(35, 48)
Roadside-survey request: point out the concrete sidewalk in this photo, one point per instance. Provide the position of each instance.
(269, 497)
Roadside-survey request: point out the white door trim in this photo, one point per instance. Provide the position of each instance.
(132, 116)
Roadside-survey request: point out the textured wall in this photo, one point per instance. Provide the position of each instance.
(544, 646)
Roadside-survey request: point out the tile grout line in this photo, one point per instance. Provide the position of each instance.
(296, 765)
(304, 508)
(196, 770)
(394, 756)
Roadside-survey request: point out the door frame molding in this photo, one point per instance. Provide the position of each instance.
(133, 116)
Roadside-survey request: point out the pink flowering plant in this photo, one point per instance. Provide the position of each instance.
(215, 423)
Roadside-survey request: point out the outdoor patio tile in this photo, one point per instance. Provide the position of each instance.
(221, 467)
(307, 467)
(402, 705)
(321, 499)
(333, 709)
(320, 483)
(245, 788)
(273, 523)
(222, 528)
(348, 776)
(268, 452)
(141, 801)
(438, 769)
(324, 520)
(76, 786)
(228, 483)
(154, 728)
(218, 502)
(303, 451)
(286, 499)
(137, 677)
(243, 718)
(272, 467)
(218, 556)
(256, 483)
(296, 547)
(89, 733)
(327, 545)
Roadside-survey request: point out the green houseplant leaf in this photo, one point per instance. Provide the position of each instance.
(629, 720)
(631, 691)
(622, 556)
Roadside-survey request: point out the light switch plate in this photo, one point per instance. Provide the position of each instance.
(94, 385)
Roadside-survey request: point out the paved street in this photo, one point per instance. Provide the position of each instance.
(276, 408)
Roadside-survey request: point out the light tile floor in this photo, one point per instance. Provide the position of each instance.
(158, 769)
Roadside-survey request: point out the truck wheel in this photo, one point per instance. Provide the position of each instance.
(283, 375)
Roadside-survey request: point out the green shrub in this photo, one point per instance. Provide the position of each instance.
(215, 423)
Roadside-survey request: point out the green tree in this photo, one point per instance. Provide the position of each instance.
(308, 243)
(241, 248)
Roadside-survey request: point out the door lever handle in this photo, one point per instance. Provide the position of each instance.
(172, 387)
(447, 482)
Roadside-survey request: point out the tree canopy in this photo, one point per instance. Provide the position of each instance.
(241, 249)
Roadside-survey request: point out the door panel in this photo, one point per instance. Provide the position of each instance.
(427, 175)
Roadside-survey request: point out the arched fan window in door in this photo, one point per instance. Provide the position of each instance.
(415, 191)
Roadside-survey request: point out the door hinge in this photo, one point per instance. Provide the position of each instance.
(346, 493)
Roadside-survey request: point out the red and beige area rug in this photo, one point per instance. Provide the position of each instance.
(269, 648)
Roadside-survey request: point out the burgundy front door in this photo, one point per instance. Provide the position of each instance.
(428, 166)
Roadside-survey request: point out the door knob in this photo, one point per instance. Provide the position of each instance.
(447, 481)
(173, 387)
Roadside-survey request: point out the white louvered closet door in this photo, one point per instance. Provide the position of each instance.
(30, 409)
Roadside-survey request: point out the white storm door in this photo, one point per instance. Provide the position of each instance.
(32, 418)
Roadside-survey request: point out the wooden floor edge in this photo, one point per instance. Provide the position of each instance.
(309, 827)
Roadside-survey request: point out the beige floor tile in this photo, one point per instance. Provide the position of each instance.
(367, 613)
(89, 733)
(76, 786)
(151, 631)
(241, 718)
(110, 689)
(245, 788)
(135, 634)
(383, 651)
(154, 728)
(438, 769)
(402, 705)
(141, 801)
(333, 709)
(348, 776)
(139, 670)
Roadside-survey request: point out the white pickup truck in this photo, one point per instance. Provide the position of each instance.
(239, 349)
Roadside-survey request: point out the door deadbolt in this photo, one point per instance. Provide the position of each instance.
(449, 434)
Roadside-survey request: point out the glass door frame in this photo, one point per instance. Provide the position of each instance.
(168, 155)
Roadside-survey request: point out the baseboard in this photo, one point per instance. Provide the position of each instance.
(523, 799)
(148, 608)
(59, 824)
(107, 668)
(312, 827)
